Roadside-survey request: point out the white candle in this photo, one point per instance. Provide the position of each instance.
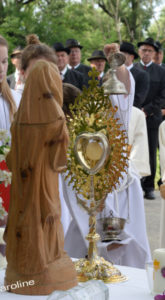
(159, 270)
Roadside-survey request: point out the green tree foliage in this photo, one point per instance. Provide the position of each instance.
(56, 21)
(133, 16)
(157, 29)
(61, 20)
(16, 22)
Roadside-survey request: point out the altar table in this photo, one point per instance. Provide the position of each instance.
(135, 288)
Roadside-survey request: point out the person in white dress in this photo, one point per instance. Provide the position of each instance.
(134, 249)
(138, 141)
(128, 201)
(162, 187)
(9, 99)
(9, 102)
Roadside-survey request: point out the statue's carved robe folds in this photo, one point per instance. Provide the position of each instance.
(34, 234)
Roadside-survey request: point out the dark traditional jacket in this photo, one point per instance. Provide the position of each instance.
(84, 70)
(141, 86)
(74, 77)
(155, 95)
(162, 65)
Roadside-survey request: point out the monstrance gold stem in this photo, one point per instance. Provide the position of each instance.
(95, 267)
(92, 236)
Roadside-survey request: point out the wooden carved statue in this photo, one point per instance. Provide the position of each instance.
(34, 234)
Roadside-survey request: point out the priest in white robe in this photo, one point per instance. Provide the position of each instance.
(133, 250)
(128, 203)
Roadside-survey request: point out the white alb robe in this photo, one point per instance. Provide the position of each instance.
(138, 139)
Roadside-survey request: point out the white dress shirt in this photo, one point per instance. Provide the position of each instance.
(147, 65)
(73, 67)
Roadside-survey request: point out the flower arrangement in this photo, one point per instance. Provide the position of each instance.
(5, 175)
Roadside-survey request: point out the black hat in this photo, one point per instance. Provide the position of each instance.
(159, 45)
(60, 47)
(149, 41)
(129, 48)
(97, 54)
(72, 43)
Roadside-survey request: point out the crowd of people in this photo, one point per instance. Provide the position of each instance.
(141, 112)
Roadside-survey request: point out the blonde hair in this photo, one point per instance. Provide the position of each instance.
(36, 49)
(5, 89)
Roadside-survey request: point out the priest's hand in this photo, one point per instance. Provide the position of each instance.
(113, 246)
(122, 73)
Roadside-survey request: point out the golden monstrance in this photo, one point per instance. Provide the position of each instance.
(97, 157)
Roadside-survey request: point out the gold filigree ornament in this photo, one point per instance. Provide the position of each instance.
(93, 113)
(97, 159)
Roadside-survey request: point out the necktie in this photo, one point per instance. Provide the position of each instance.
(144, 67)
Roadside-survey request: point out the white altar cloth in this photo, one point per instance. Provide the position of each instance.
(136, 288)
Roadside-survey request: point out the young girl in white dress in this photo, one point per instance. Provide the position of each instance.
(9, 99)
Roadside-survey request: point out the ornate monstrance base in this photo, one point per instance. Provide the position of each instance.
(99, 269)
(96, 267)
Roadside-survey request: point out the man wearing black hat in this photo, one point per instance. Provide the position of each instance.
(68, 76)
(151, 106)
(158, 58)
(98, 61)
(75, 59)
(141, 78)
